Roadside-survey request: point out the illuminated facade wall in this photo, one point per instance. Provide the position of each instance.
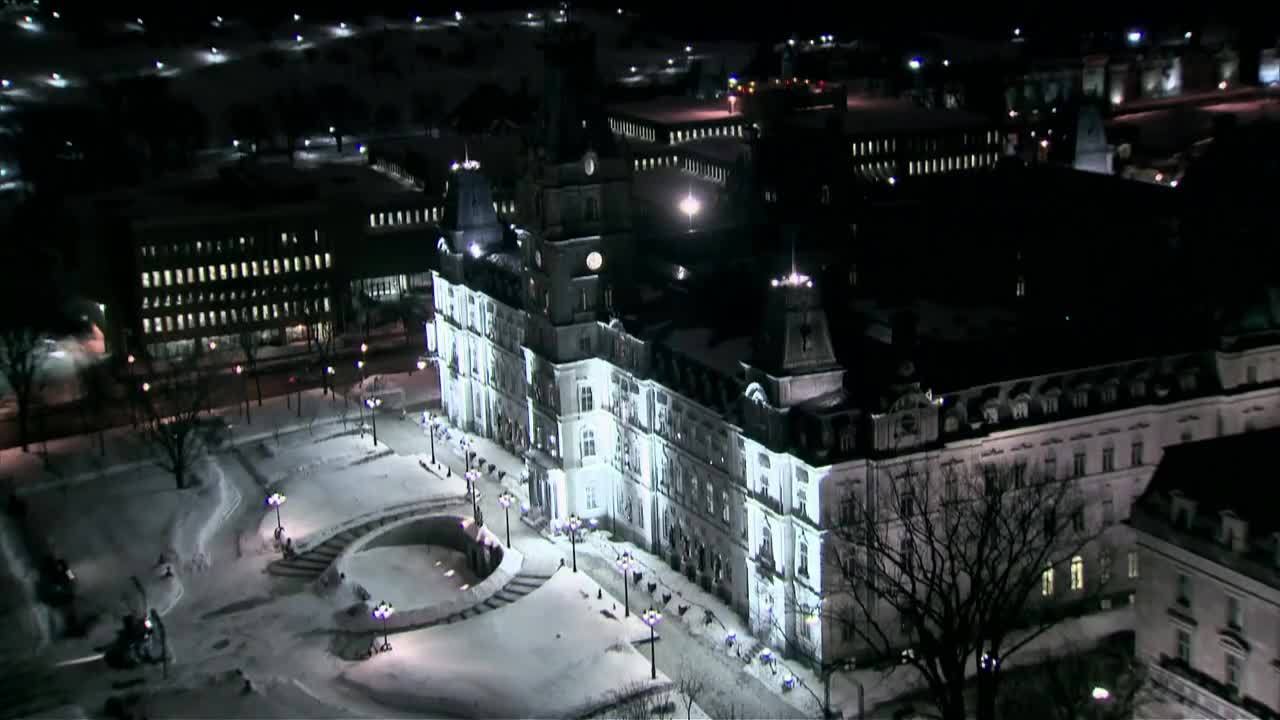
(654, 465)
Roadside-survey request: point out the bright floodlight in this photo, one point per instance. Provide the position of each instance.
(342, 25)
(475, 250)
(1017, 32)
(690, 206)
(297, 38)
(417, 18)
(332, 129)
(5, 83)
(1134, 37)
(619, 11)
(1101, 694)
(214, 50)
(239, 369)
(946, 63)
(914, 63)
(55, 76)
(139, 20)
(146, 387)
(688, 48)
(893, 180)
(633, 70)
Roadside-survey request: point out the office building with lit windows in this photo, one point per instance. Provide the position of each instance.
(1209, 603)
(284, 252)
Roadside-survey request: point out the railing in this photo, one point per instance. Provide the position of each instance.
(774, 504)
(1205, 692)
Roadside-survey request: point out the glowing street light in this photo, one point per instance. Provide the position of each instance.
(625, 563)
(244, 384)
(690, 206)
(430, 423)
(159, 65)
(506, 499)
(364, 348)
(373, 404)
(146, 387)
(914, 63)
(275, 500)
(1101, 694)
(297, 39)
(214, 51)
(651, 618)
(297, 17)
(417, 19)
(893, 180)
(1134, 37)
(574, 522)
(457, 15)
(383, 612)
(420, 364)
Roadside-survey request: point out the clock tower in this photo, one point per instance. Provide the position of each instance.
(576, 204)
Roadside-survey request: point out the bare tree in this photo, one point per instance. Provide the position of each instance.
(691, 683)
(250, 343)
(1104, 683)
(636, 701)
(24, 351)
(944, 571)
(171, 405)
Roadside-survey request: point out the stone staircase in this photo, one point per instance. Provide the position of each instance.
(311, 564)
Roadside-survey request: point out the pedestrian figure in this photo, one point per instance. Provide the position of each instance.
(561, 563)
(599, 593)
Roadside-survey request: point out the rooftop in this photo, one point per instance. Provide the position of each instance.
(676, 111)
(254, 189)
(866, 114)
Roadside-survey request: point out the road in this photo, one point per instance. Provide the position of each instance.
(731, 692)
(226, 389)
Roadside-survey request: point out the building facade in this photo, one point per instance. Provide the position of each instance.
(1209, 606)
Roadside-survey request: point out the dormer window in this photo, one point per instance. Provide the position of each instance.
(951, 424)
(991, 414)
(1183, 509)
(1050, 403)
(1108, 394)
(1080, 399)
(1020, 409)
(1233, 531)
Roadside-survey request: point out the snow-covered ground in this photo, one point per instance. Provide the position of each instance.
(133, 525)
(410, 576)
(558, 652)
(329, 495)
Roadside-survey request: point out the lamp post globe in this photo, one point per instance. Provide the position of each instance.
(383, 611)
(275, 500)
(506, 500)
(626, 563)
(651, 618)
(690, 206)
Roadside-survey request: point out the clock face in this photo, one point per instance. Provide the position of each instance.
(589, 163)
(595, 261)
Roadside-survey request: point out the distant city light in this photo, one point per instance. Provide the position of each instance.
(218, 19)
(297, 17)
(57, 15)
(1186, 35)
(1017, 32)
(528, 16)
(139, 21)
(235, 143)
(893, 180)
(297, 38)
(1173, 183)
(633, 69)
(792, 42)
(457, 15)
(55, 76)
(688, 48)
(946, 63)
(1222, 85)
(5, 83)
(1159, 177)
(914, 63)
(342, 25)
(214, 51)
(332, 129)
(1100, 694)
(1134, 37)
(671, 61)
(1044, 143)
(159, 65)
(362, 149)
(619, 11)
(417, 18)
(306, 142)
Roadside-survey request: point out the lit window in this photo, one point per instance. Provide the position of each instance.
(254, 266)
(275, 264)
(146, 280)
(222, 272)
(328, 260)
(168, 323)
(168, 278)
(201, 318)
(182, 322)
(1046, 582)
(244, 269)
(146, 325)
(200, 273)
(234, 271)
(316, 263)
(255, 312)
(275, 310)
(1133, 564)
(1077, 573)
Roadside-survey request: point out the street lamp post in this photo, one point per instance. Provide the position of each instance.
(244, 385)
(133, 402)
(374, 403)
(421, 365)
(626, 562)
(360, 367)
(651, 618)
(382, 612)
(431, 433)
(505, 500)
(329, 372)
(275, 500)
(473, 487)
(574, 522)
(1100, 697)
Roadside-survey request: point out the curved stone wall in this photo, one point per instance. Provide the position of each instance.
(486, 556)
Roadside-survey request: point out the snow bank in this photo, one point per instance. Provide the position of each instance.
(224, 695)
(553, 653)
(134, 525)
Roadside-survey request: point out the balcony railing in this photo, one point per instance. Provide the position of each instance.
(1207, 693)
(774, 504)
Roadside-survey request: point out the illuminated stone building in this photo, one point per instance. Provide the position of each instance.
(719, 426)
